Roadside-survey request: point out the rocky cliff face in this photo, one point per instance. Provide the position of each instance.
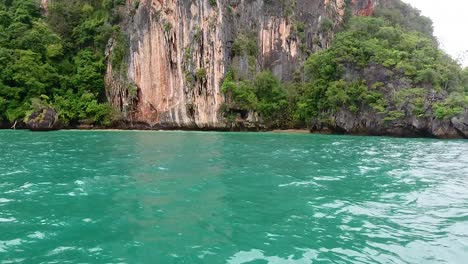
(368, 121)
(180, 51)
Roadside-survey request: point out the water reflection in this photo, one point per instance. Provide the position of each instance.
(176, 197)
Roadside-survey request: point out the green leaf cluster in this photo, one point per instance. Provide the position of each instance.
(387, 65)
(60, 56)
(337, 76)
(264, 94)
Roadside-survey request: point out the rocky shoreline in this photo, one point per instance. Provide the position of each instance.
(343, 121)
(445, 130)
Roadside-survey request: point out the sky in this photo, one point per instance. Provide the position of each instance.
(450, 19)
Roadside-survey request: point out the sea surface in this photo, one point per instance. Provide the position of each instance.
(193, 197)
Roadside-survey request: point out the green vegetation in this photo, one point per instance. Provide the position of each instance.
(406, 59)
(264, 94)
(453, 105)
(390, 65)
(200, 74)
(212, 2)
(60, 58)
(245, 45)
(403, 15)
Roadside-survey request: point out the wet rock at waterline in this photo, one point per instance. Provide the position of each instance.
(44, 119)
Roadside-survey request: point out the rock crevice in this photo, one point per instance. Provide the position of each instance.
(181, 50)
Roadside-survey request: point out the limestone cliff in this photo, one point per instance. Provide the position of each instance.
(180, 50)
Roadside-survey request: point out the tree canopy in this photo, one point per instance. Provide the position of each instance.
(383, 64)
(59, 57)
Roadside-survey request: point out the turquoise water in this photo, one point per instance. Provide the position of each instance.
(187, 197)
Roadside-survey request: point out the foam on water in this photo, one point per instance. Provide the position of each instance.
(181, 197)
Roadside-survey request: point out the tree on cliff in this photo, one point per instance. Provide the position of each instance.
(387, 67)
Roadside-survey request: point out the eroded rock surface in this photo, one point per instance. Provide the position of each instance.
(44, 119)
(181, 50)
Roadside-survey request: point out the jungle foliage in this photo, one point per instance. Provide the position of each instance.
(59, 57)
(399, 48)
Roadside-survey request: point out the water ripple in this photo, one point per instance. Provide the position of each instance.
(175, 197)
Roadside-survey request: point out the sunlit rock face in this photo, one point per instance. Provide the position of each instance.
(180, 50)
(45, 4)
